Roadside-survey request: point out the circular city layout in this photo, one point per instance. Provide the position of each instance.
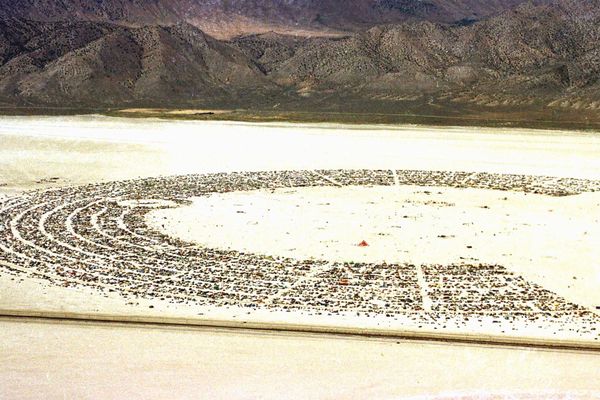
(97, 236)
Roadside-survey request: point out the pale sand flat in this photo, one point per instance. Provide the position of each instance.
(123, 362)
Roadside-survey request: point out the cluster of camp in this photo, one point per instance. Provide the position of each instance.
(96, 236)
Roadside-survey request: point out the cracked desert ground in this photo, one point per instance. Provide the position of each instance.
(548, 241)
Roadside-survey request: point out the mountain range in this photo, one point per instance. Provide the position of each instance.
(225, 19)
(439, 57)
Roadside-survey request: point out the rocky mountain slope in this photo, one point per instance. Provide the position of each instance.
(534, 57)
(100, 64)
(228, 18)
(548, 55)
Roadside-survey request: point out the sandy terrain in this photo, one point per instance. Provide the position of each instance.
(90, 362)
(49, 153)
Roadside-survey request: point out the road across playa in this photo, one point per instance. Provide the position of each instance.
(31, 316)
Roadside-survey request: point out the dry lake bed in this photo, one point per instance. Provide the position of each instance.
(482, 232)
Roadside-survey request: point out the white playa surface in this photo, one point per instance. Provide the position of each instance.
(39, 152)
(111, 362)
(80, 150)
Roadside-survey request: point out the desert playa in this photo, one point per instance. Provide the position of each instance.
(451, 231)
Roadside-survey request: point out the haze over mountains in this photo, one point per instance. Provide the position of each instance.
(227, 18)
(382, 55)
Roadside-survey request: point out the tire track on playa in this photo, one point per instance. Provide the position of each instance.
(424, 289)
(328, 179)
(319, 269)
(395, 177)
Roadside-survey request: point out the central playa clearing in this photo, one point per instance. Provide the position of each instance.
(551, 241)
